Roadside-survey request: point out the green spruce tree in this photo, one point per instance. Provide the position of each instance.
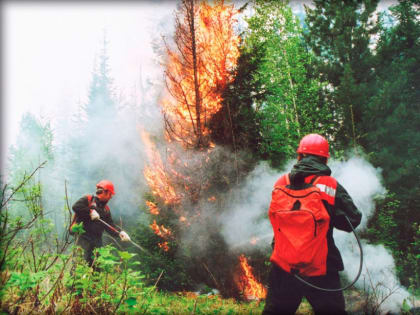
(392, 122)
(340, 33)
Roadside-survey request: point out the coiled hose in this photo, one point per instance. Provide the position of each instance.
(355, 279)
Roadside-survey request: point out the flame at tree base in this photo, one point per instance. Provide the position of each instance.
(247, 283)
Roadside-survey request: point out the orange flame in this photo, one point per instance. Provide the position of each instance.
(155, 174)
(251, 288)
(164, 246)
(163, 233)
(160, 230)
(152, 207)
(217, 45)
(217, 48)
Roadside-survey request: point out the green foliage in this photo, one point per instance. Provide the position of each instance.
(385, 228)
(77, 228)
(173, 265)
(373, 84)
(393, 135)
(342, 86)
(287, 101)
(24, 281)
(340, 34)
(111, 286)
(33, 146)
(391, 122)
(191, 303)
(236, 125)
(384, 221)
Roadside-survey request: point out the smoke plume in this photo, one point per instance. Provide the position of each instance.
(363, 182)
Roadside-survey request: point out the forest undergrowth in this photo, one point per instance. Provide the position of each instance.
(42, 273)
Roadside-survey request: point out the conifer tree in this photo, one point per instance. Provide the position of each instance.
(287, 101)
(392, 122)
(90, 148)
(198, 68)
(100, 97)
(200, 64)
(340, 34)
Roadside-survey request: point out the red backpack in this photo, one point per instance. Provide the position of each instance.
(300, 223)
(75, 219)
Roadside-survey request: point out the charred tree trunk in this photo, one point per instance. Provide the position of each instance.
(189, 5)
(183, 82)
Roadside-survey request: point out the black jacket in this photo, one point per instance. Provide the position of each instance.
(94, 229)
(344, 206)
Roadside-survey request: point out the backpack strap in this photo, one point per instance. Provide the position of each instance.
(89, 198)
(314, 180)
(287, 177)
(91, 201)
(75, 218)
(327, 185)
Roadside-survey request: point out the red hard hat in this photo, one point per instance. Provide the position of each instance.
(106, 185)
(314, 144)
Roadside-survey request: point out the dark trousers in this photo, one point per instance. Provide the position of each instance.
(285, 293)
(89, 244)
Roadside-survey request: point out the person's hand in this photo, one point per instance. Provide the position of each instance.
(124, 236)
(94, 215)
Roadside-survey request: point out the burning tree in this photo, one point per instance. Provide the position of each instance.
(187, 180)
(198, 68)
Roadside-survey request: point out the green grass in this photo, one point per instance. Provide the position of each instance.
(165, 303)
(189, 303)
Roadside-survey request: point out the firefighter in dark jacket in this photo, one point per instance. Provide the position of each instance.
(285, 291)
(88, 210)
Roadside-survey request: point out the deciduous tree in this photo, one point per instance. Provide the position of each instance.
(287, 101)
(341, 33)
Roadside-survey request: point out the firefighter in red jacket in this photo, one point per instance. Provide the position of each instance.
(285, 291)
(88, 210)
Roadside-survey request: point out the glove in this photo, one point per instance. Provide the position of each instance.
(94, 215)
(124, 236)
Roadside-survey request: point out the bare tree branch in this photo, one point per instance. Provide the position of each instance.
(25, 180)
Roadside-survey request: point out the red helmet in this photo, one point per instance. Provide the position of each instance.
(106, 185)
(314, 144)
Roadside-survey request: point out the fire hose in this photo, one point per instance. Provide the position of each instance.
(355, 279)
(131, 241)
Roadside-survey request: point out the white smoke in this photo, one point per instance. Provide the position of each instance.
(248, 219)
(363, 182)
(108, 146)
